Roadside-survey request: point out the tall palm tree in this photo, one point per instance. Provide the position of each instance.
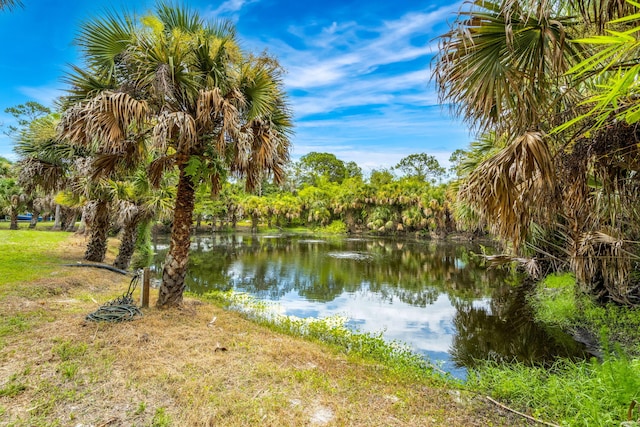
(183, 86)
(513, 68)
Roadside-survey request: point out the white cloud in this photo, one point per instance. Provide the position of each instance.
(363, 91)
(45, 95)
(229, 7)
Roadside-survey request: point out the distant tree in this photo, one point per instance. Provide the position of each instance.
(352, 170)
(12, 200)
(5, 167)
(380, 177)
(25, 114)
(322, 165)
(421, 166)
(456, 158)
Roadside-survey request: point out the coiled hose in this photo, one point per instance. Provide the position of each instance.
(120, 309)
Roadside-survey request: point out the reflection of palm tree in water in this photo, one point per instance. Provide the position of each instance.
(410, 272)
(505, 331)
(413, 272)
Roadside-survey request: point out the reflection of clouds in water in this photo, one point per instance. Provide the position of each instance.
(311, 241)
(483, 304)
(360, 256)
(426, 330)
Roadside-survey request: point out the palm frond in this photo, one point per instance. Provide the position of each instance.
(104, 41)
(512, 186)
(498, 60)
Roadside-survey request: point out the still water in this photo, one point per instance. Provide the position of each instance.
(434, 296)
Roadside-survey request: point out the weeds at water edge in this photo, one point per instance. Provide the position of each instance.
(332, 330)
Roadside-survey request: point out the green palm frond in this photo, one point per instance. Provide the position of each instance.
(498, 60)
(84, 84)
(175, 16)
(104, 41)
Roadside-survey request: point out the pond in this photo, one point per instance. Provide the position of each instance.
(434, 296)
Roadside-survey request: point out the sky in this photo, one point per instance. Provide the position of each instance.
(358, 72)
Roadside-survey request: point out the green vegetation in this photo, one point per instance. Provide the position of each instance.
(573, 393)
(332, 330)
(27, 254)
(570, 393)
(554, 300)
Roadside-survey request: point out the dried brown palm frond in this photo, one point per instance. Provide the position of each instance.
(208, 105)
(127, 212)
(36, 173)
(158, 167)
(514, 186)
(530, 265)
(107, 119)
(269, 152)
(105, 164)
(176, 129)
(603, 258)
(600, 12)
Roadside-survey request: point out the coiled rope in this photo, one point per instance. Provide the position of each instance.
(120, 309)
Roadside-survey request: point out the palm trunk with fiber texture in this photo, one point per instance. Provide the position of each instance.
(175, 264)
(71, 222)
(14, 219)
(97, 247)
(127, 243)
(34, 219)
(57, 225)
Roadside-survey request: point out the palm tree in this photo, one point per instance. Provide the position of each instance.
(12, 200)
(513, 68)
(9, 4)
(138, 204)
(46, 162)
(184, 86)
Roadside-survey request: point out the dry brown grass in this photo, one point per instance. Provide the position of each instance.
(168, 368)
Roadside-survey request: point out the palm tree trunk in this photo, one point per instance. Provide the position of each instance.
(14, 219)
(97, 247)
(82, 228)
(34, 218)
(254, 223)
(71, 223)
(57, 224)
(127, 243)
(143, 255)
(175, 264)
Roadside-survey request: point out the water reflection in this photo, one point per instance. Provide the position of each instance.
(433, 296)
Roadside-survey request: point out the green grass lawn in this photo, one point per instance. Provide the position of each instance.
(28, 254)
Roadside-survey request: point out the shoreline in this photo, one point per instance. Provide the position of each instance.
(58, 368)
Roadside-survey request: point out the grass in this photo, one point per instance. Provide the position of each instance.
(19, 262)
(574, 393)
(168, 369)
(571, 393)
(554, 300)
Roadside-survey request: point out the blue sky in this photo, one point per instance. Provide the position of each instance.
(358, 72)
